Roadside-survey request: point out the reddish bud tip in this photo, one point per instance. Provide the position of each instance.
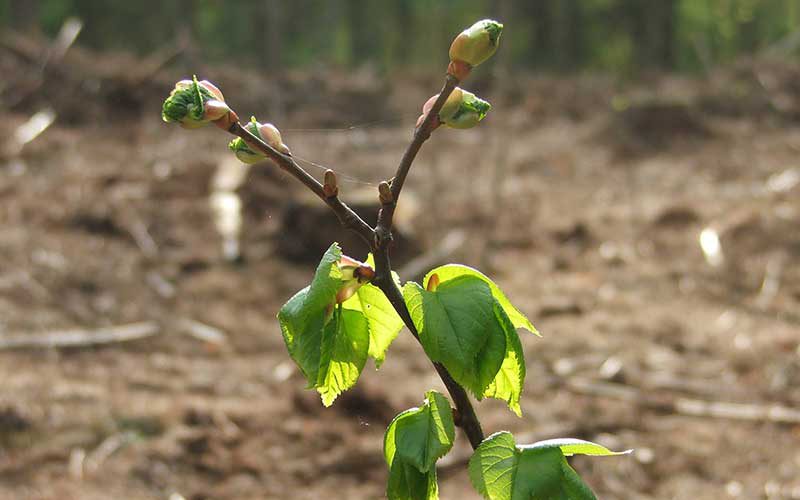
(364, 273)
(433, 283)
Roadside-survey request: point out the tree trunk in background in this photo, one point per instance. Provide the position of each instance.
(539, 15)
(185, 33)
(329, 29)
(24, 15)
(270, 24)
(361, 40)
(505, 12)
(403, 37)
(568, 37)
(668, 34)
(652, 30)
(660, 25)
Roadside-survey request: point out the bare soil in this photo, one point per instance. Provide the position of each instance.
(585, 199)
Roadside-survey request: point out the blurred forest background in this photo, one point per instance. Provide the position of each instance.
(620, 36)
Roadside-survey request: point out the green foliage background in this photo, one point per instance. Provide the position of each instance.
(562, 35)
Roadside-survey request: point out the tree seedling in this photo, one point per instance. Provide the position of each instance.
(353, 310)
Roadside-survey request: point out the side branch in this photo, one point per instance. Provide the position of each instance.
(421, 134)
(345, 214)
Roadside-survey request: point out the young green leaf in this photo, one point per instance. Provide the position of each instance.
(344, 350)
(570, 447)
(408, 483)
(426, 434)
(384, 322)
(507, 384)
(458, 327)
(452, 271)
(330, 345)
(414, 441)
(501, 470)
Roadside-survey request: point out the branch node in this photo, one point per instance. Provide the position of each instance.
(383, 237)
(457, 419)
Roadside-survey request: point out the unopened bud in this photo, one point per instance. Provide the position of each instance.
(330, 186)
(385, 193)
(354, 274)
(433, 283)
(462, 109)
(194, 104)
(270, 134)
(267, 132)
(473, 46)
(448, 109)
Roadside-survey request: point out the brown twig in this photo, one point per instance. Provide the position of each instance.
(345, 214)
(421, 134)
(464, 412)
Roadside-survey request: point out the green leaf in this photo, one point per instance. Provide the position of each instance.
(408, 483)
(344, 350)
(493, 466)
(458, 327)
(414, 441)
(452, 271)
(454, 318)
(426, 434)
(303, 317)
(384, 322)
(186, 101)
(501, 470)
(570, 447)
(507, 384)
(329, 346)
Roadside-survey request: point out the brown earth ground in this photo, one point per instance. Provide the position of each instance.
(585, 199)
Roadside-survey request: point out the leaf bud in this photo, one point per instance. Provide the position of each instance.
(194, 104)
(385, 193)
(267, 132)
(473, 46)
(330, 186)
(433, 283)
(461, 110)
(470, 110)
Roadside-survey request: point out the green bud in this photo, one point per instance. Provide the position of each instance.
(194, 104)
(448, 109)
(267, 132)
(242, 150)
(477, 43)
(462, 109)
(452, 104)
(471, 110)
